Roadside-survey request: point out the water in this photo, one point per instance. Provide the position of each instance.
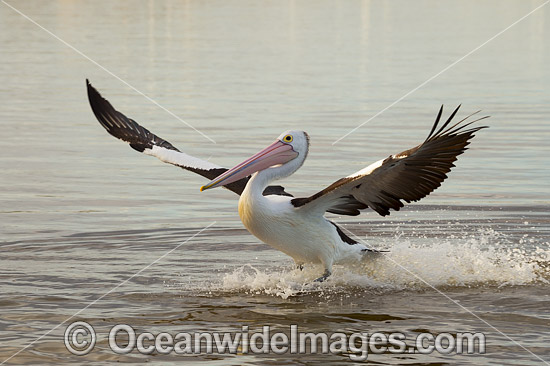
(81, 214)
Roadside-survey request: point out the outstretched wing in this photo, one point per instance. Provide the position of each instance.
(407, 176)
(144, 141)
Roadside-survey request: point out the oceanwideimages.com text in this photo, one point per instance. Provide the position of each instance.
(80, 339)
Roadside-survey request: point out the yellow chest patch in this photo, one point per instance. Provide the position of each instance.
(245, 213)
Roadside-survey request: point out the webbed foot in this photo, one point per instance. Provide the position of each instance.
(324, 276)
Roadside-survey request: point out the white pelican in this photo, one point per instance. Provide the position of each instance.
(298, 226)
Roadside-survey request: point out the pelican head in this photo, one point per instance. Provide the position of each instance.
(288, 146)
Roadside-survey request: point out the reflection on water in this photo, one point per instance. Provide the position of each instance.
(81, 212)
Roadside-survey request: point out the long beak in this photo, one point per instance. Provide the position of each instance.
(275, 154)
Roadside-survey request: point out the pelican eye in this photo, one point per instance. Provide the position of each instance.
(287, 138)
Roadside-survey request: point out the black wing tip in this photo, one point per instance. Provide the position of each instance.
(91, 89)
(456, 127)
(94, 96)
(122, 127)
(115, 123)
(98, 102)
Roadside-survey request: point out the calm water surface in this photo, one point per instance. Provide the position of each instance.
(81, 212)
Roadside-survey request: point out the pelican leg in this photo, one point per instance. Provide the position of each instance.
(324, 276)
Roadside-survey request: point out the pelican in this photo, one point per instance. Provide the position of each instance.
(297, 226)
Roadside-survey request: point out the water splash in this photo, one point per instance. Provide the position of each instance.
(483, 258)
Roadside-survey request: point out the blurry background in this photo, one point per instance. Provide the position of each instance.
(242, 73)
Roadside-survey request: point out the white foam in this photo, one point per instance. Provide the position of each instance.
(483, 258)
